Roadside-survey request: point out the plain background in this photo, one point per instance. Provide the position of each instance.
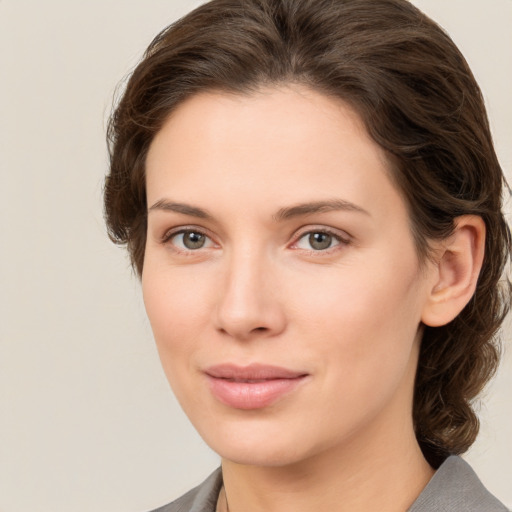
(87, 422)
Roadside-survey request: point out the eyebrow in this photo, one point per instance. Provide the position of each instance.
(183, 208)
(282, 214)
(318, 207)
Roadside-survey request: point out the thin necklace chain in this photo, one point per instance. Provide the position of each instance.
(222, 502)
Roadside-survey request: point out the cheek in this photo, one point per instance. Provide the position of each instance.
(177, 318)
(365, 319)
(178, 308)
(171, 292)
(352, 299)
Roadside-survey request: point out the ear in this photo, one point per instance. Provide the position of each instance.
(455, 274)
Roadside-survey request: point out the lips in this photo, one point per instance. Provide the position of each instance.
(252, 387)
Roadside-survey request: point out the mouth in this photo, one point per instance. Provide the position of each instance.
(252, 387)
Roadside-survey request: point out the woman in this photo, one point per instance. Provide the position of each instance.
(310, 195)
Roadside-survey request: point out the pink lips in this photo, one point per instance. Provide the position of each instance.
(251, 387)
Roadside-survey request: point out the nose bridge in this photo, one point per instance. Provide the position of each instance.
(248, 303)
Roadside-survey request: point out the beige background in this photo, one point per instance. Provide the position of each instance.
(87, 422)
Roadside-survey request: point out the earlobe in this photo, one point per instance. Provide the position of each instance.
(456, 272)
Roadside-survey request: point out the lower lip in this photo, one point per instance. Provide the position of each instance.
(252, 395)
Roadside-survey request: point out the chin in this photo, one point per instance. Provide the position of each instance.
(267, 456)
(259, 444)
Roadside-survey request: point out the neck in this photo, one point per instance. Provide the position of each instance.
(374, 472)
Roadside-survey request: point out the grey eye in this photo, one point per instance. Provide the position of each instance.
(190, 240)
(320, 241)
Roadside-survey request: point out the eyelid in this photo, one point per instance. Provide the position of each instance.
(342, 236)
(172, 232)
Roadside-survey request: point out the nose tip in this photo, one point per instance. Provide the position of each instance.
(248, 304)
(241, 328)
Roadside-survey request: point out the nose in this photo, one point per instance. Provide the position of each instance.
(249, 303)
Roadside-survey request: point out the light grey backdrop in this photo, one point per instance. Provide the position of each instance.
(87, 422)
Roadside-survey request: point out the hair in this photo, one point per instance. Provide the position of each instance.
(419, 101)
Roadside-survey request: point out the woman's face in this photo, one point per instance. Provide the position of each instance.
(280, 277)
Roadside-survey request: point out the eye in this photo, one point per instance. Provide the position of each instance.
(319, 241)
(189, 240)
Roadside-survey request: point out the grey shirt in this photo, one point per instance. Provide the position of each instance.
(453, 488)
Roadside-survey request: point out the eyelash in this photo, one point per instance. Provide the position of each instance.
(340, 240)
(169, 235)
(336, 236)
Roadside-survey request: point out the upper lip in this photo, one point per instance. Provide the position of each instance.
(253, 371)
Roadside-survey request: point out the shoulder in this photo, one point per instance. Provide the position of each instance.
(202, 498)
(454, 487)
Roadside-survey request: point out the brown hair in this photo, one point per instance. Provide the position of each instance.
(419, 101)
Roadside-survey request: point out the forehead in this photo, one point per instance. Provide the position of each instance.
(295, 107)
(287, 144)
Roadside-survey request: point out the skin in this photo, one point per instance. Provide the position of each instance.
(348, 316)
